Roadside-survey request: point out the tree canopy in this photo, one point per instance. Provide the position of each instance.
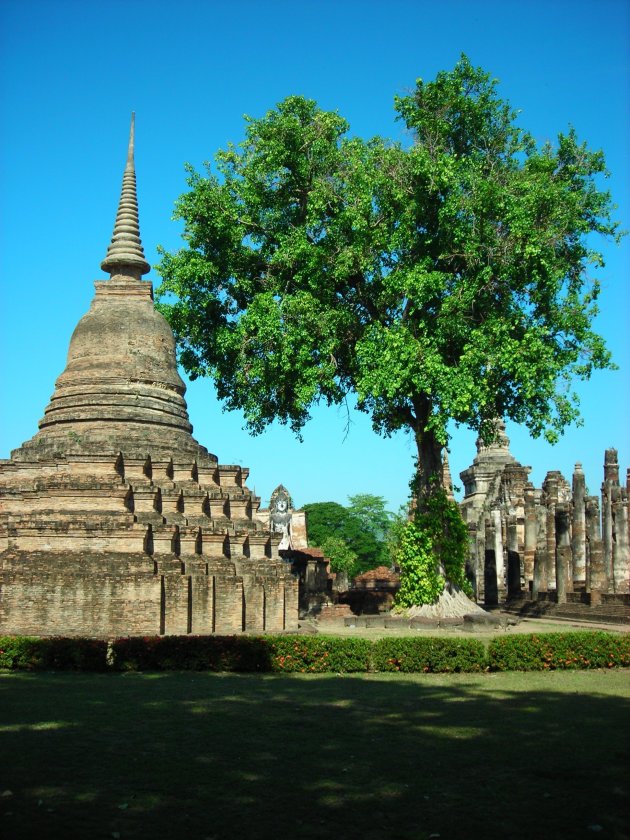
(358, 527)
(442, 280)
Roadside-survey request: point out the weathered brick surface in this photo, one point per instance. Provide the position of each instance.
(114, 520)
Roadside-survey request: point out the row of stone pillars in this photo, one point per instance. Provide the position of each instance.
(558, 540)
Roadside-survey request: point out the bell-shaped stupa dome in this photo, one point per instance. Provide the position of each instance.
(120, 388)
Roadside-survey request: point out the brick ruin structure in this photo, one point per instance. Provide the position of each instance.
(114, 520)
(554, 543)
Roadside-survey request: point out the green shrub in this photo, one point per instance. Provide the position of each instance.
(192, 653)
(437, 537)
(428, 655)
(19, 653)
(550, 651)
(319, 654)
(30, 653)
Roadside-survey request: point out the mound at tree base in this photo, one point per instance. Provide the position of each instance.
(452, 603)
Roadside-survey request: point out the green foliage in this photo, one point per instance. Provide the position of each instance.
(550, 651)
(320, 654)
(370, 511)
(430, 551)
(329, 524)
(326, 519)
(30, 653)
(192, 653)
(447, 280)
(342, 557)
(306, 654)
(428, 655)
(317, 654)
(395, 532)
(420, 580)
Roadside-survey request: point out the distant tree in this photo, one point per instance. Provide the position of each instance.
(371, 511)
(442, 281)
(326, 520)
(395, 531)
(342, 557)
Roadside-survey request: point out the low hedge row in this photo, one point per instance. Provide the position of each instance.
(317, 654)
(428, 655)
(33, 653)
(551, 651)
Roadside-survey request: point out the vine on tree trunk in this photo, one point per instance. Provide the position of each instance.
(432, 552)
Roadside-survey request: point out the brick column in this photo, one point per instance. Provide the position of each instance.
(597, 582)
(498, 552)
(490, 589)
(578, 534)
(611, 480)
(514, 559)
(530, 533)
(564, 577)
(540, 580)
(621, 558)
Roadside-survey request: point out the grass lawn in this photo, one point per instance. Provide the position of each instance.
(192, 755)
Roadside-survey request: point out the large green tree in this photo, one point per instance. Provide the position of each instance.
(371, 511)
(442, 280)
(327, 521)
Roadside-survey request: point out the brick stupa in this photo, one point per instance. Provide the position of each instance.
(114, 520)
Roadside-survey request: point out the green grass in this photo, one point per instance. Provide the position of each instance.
(181, 755)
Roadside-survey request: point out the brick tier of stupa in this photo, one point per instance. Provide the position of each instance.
(114, 520)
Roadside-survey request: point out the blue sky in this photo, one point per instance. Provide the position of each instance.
(71, 73)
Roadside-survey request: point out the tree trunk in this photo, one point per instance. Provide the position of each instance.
(429, 468)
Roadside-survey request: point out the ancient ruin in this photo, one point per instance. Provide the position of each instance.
(282, 518)
(114, 520)
(549, 544)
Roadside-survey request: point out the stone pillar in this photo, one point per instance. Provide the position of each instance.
(530, 533)
(578, 533)
(480, 560)
(564, 577)
(514, 559)
(550, 490)
(621, 551)
(597, 582)
(490, 589)
(611, 480)
(498, 552)
(540, 582)
(471, 559)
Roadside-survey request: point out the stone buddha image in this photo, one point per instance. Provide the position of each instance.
(280, 507)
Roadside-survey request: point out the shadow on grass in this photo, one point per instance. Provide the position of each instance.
(253, 756)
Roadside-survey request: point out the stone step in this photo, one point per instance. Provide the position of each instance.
(334, 612)
(601, 613)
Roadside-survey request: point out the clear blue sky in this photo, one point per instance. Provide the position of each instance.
(73, 71)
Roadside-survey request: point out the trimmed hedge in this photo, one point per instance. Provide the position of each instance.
(550, 651)
(317, 654)
(428, 655)
(190, 653)
(33, 653)
(320, 654)
(285, 654)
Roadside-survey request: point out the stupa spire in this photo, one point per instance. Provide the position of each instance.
(125, 255)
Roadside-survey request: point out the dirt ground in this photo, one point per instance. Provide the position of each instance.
(515, 625)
